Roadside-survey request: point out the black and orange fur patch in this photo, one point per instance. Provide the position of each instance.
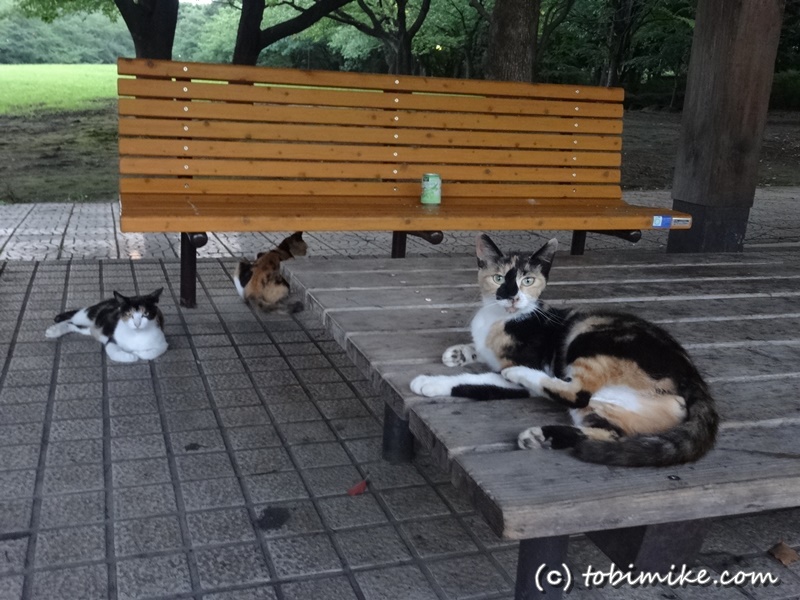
(261, 284)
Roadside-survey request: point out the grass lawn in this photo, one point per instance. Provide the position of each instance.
(29, 88)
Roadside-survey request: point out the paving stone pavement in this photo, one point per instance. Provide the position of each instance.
(220, 470)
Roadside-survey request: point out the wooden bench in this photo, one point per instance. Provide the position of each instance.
(208, 147)
(735, 313)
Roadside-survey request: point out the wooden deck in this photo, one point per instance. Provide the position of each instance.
(737, 314)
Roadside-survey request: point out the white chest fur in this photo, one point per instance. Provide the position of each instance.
(481, 327)
(147, 338)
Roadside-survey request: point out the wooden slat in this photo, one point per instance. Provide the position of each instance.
(382, 153)
(318, 169)
(204, 71)
(196, 214)
(146, 88)
(356, 116)
(232, 130)
(406, 190)
(531, 496)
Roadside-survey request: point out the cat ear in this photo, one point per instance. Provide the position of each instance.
(156, 295)
(544, 256)
(486, 250)
(119, 297)
(298, 235)
(260, 254)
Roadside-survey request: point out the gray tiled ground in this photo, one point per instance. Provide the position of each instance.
(90, 231)
(220, 470)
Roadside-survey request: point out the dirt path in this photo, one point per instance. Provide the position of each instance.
(58, 157)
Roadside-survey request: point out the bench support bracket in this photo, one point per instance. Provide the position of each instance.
(652, 548)
(533, 553)
(190, 242)
(398, 443)
(579, 238)
(399, 240)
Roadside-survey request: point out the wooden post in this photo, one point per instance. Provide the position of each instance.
(727, 94)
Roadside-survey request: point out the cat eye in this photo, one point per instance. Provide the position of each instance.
(498, 279)
(528, 281)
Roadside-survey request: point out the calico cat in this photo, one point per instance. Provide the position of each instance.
(261, 283)
(634, 396)
(130, 328)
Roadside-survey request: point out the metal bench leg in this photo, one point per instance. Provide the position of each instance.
(190, 242)
(399, 239)
(652, 548)
(399, 244)
(532, 580)
(398, 443)
(578, 243)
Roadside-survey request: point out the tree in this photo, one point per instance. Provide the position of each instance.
(151, 23)
(388, 22)
(251, 39)
(511, 40)
(551, 15)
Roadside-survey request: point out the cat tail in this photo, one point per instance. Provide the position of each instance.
(280, 307)
(65, 316)
(683, 443)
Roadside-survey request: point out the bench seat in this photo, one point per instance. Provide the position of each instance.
(734, 313)
(146, 212)
(218, 148)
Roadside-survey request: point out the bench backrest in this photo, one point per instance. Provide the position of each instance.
(190, 128)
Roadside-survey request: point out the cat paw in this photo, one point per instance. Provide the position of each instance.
(532, 379)
(54, 331)
(460, 354)
(532, 439)
(431, 385)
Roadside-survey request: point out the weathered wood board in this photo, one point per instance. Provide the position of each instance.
(737, 314)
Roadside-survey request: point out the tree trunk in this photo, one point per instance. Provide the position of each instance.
(151, 25)
(619, 39)
(510, 51)
(248, 36)
(724, 113)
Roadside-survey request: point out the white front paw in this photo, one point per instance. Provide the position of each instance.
(531, 379)
(460, 354)
(54, 331)
(431, 385)
(532, 439)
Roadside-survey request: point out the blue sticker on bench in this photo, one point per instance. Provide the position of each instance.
(664, 222)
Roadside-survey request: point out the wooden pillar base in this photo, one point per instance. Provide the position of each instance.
(398, 443)
(714, 229)
(534, 580)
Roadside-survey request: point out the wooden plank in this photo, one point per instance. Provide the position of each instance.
(193, 214)
(465, 277)
(526, 494)
(356, 116)
(390, 135)
(363, 153)
(452, 429)
(327, 169)
(330, 79)
(267, 94)
(517, 199)
(409, 297)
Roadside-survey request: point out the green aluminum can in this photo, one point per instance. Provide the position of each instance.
(431, 189)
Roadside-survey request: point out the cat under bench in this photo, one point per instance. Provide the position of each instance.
(734, 314)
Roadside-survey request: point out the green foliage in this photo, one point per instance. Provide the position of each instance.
(79, 38)
(50, 10)
(69, 87)
(786, 91)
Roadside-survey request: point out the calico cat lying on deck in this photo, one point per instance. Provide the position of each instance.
(130, 328)
(634, 396)
(261, 283)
